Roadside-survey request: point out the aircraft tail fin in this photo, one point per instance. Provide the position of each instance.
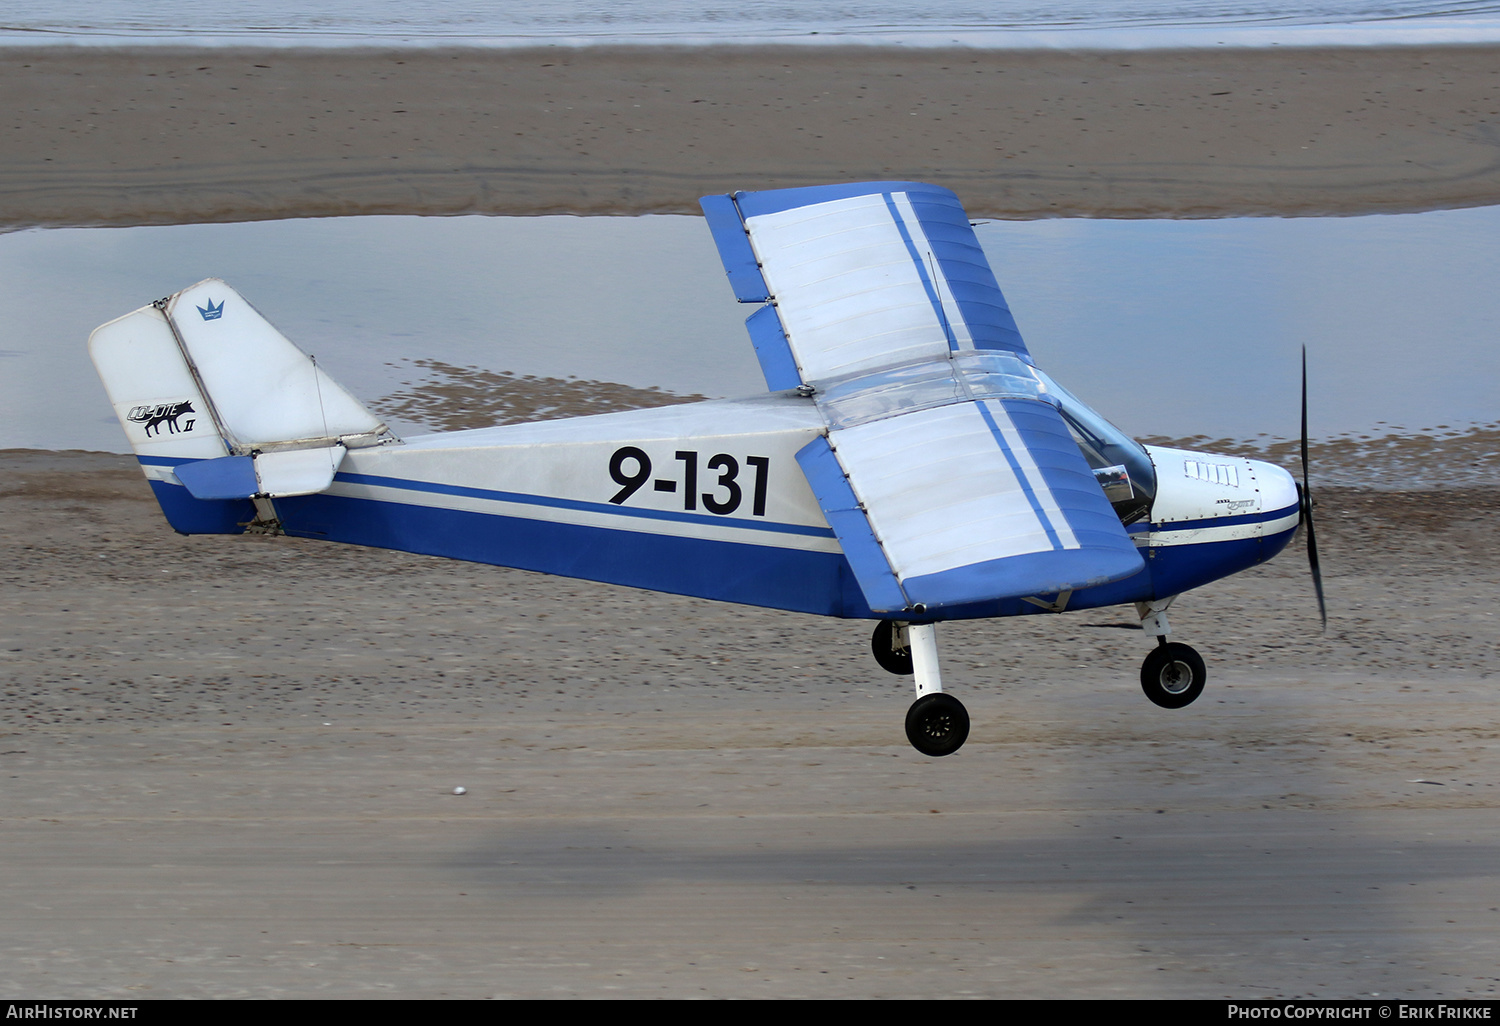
(222, 410)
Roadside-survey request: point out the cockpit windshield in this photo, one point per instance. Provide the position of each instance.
(1105, 446)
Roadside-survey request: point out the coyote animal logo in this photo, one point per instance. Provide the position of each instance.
(153, 417)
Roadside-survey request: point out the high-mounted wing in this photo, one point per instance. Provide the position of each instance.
(859, 277)
(946, 471)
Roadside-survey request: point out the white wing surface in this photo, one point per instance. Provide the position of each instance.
(946, 472)
(862, 276)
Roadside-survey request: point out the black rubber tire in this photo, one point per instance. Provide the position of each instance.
(892, 660)
(937, 725)
(1173, 676)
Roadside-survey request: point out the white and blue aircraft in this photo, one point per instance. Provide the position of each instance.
(909, 463)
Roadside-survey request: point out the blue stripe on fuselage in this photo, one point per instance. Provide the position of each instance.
(757, 575)
(1178, 568)
(553, 502)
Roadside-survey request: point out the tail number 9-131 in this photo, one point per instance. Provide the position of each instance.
(630, 468)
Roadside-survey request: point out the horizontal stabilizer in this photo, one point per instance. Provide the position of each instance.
(297, 471)
(228, 477)
(277, 474)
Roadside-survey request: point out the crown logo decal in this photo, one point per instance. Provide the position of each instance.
(211, 312)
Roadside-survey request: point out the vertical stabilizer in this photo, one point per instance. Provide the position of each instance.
(222, 409)
(265, 391)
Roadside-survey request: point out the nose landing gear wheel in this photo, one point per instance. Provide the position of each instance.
(883, 645)
(937, 724)
(1173, 675)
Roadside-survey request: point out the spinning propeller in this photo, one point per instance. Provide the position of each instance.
(1307, 505)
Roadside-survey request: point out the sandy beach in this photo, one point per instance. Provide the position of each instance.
(229, 767)
(106, 136)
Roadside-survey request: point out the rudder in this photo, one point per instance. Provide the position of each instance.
(222, 410)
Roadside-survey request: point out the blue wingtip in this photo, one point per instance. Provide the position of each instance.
(734, 249)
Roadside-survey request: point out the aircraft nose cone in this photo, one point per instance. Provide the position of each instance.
(1278, 489)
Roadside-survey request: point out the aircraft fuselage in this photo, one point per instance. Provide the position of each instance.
(707, 499)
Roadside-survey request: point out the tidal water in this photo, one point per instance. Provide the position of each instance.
(1169, 328)
(583, 22)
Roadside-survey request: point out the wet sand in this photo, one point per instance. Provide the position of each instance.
(229, 764)
(107, 136)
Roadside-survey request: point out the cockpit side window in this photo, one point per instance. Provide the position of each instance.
(1105, 446)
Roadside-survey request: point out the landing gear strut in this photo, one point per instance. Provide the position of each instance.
(1173, 674)
(937, 724)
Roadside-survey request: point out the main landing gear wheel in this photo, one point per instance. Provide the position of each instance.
(1173, 675)
(891, 659)
(937, 724)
